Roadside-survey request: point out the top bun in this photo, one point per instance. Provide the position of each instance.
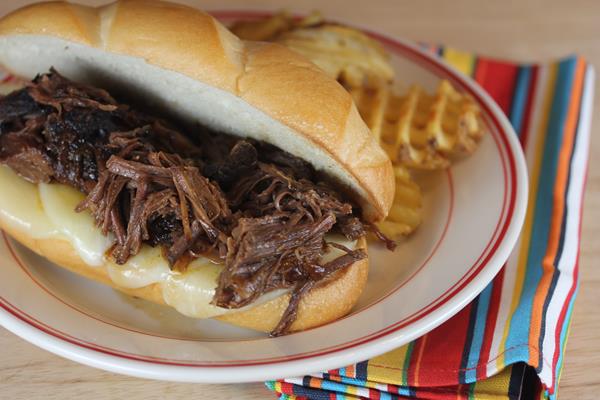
(184, 61)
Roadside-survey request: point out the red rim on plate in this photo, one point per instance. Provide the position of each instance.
(509, 166)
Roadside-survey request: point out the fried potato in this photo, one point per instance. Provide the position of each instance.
(406, 213)
(268, 29)
(419, 130)
(343, 52)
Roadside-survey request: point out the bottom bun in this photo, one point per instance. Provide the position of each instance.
(327, 302)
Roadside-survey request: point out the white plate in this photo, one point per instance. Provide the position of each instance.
(473, 215)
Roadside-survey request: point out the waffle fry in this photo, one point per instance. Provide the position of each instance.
(342, 52)
(406, 213)
(418, 130)
(268, 29)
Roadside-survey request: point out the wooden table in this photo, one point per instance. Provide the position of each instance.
(519, 30)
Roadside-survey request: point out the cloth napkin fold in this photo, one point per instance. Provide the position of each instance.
(509, 342)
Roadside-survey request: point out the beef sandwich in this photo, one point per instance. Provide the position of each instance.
(154, 151)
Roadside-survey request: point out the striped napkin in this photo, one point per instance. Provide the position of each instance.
(509, 342)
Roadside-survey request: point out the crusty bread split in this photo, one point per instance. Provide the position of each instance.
(185, 62)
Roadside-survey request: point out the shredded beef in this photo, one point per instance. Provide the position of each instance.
(351, 227)
(255, 207)
(389, 243)
(242, 157)
(303, 287)
(263, 247)
(293, 165)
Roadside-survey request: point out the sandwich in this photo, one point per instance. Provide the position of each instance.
(152, 150)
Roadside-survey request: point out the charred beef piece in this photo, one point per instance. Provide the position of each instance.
(258, 208)
(23, 151)
(241, 158)
(21, 148)
(17, 105)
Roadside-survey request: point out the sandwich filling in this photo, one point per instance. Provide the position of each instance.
(256, 209)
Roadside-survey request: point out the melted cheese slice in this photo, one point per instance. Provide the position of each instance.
(47, 211)
(59, 203)
(21, 206)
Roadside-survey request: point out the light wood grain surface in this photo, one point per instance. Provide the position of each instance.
(520, 30)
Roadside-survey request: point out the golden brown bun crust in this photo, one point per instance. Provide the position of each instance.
(323, 304)
(269, 77)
